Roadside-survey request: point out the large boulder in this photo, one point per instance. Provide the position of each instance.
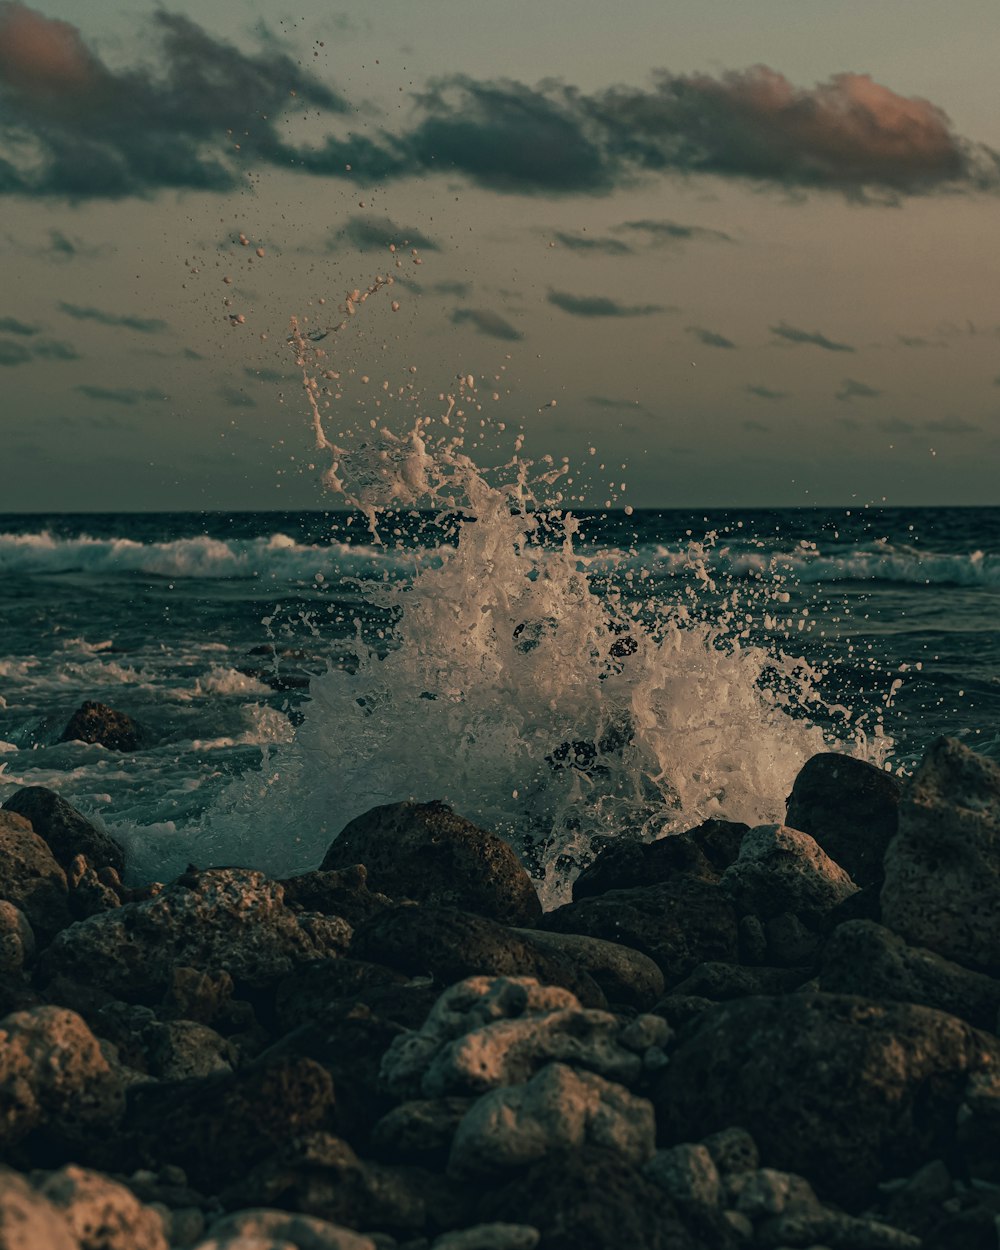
(627, 977)
(67, 832)
(850, 808)
(783, 871)
(622, 863)
(30, 878)
(424, 851)
(843, 1090)
(105, 726)
(942, 870)
(222, 919)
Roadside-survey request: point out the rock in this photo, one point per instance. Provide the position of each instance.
(217, 1127)
(556, 1110)
(181, 1049)
(17, 941)
(305, 1232)
(105, 726)
(942, 870)
(419, 1131)
(979, 1128)
(790, 942)
(627, 977)
(678, 924)
(101, 1213)
(766, 1191)
(54, 1076)
(850, 808)
(30, 878)
(309, 990)
(336, 893)
(720, 982)
(28, 1221)
(426, 852)
(687, 1173)
(222, 919)
(488, 1032)
(833, 1228)
(67, 832)
(490, 1237)
(780, 870)
(845, 1090)
(88, 894)
(450, 945)
(865, 958)
(194, 995)
(733, 1150)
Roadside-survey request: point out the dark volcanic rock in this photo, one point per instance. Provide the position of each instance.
(67, 832)
(341, 892)
(865, 958)
(850, 808)
(30, 878)
(783, 871)
(420, 1131)
(678, 924)
(627, 977)
(307, 991)
(843, 1090)
(426, 852)
(942, 870)
(721, 982)
(105, 726)
(450, 945)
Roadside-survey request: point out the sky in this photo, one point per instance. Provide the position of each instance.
(748, 251)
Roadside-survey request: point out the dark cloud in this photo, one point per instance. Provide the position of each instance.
(600, 306)
(143, 325)
(121, 395)
(852, 389)
(236, 398)
(765, 392)
(13, 353)
(266, 375)
(64, 247)
(792, 335)
(709, 337)
(367, 234)
(912, 340)
(55, 349)
(596, 243)
(11, 325)
(614, 405)
(951, 425)
(659, 233)
(448, 288)
(486, 322)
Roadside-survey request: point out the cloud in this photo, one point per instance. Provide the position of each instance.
(486, 322)
(265, 374)
(660, 233)
(12, 353)
(595, 243)
(852, 389)
(792, 335)
(367, 234)
(615, 405)
(15, 353)
(121, 395)
(143, 325)
(11, 325)
(236, 398)
(55, 349)
(448, 288)
(75, 127)
(951, 425)
(913, 340)
(765, 392)
(709, 337)
(600, 306)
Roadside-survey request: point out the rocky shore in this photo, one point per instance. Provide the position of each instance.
(778, 1037)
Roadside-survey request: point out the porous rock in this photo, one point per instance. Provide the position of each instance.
(305, 1232)
(104, 726)
(426, 852)
(28, 1221)
(844, 1090)
(677, 923)
(309, 990)
(419, 1131)
(942, 869)
(850, 808)
(17, 941)
(485, 1032)
(861, 957)
(335, 892)
(450, 945)
(180, 1049)
(781, 870)
(30, 878)
(66, 831)
(557, 1109)
(624, 863)
(720, 982)
(101, 1213)
(627, 977)
(687, 1173)
(490, 1237)
(228, 919)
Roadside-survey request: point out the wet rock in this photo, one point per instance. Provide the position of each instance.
(678, 924)
(221, 919)
(979, 1128)
(181, 1049)
(865, 958)
(419, 1131)
(627, 977)
(733, 1150)
(781, 870)
(450, 945)
(30, 878)
(678, 1009)
(720, 982)
(489, 1032)
(766, 1191)
(850, 808)
(305, 1232)
(54, 1076)
(28, 1221)
(101, 1213)
(67, 832)
(558, 1109)
(845, 1090)
(490, 1237)
(105, 726)
(216, 1127)
(426, 852)
(88, 894)
(790, 942)
(342, 892)
(687, 1173)
(195, 995)
(311, 988)
(942, 870)
(17, 941)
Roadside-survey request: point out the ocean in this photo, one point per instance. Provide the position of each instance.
(619, 675)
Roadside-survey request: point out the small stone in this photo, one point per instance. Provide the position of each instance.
(688, 1174)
